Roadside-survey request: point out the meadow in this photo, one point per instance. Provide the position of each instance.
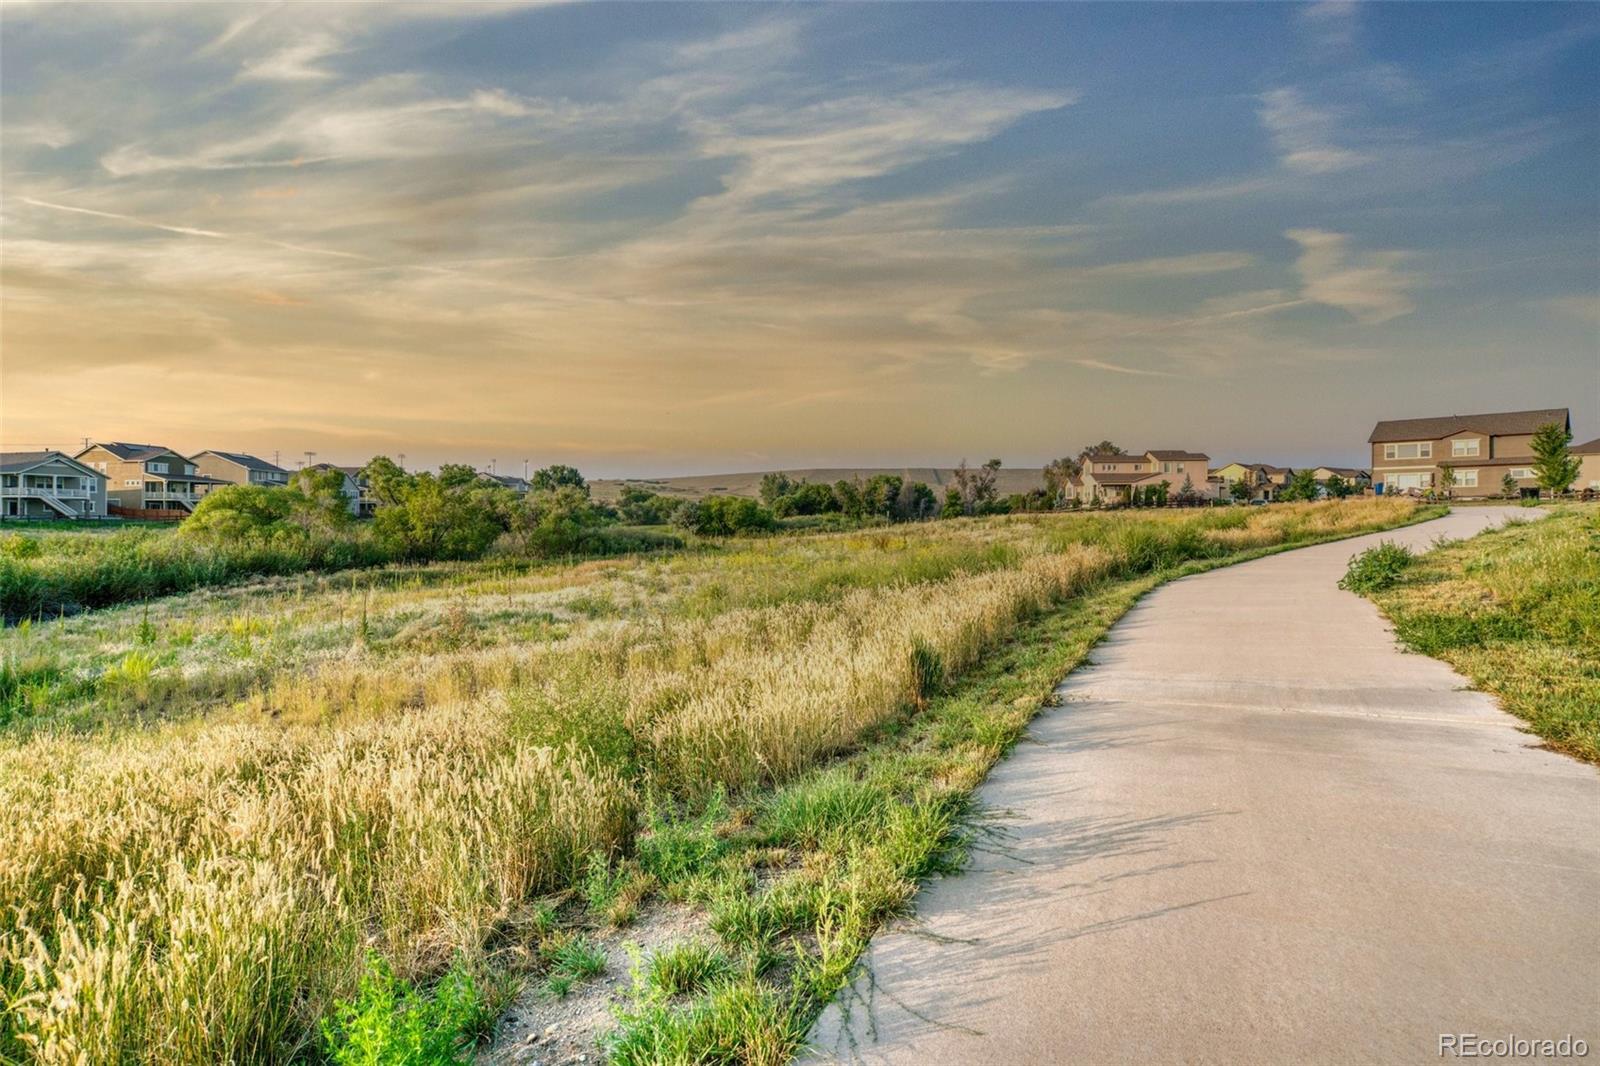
(325, 813)
(1517, 610)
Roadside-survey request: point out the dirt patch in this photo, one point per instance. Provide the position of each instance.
(540, 1029)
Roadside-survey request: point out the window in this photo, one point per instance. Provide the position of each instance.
(1169, 468)
(1414, 450)
(1400, 482)
(1520, 472)
(1467, 479)
(1468, 446)
(156, 468)
(188, 468)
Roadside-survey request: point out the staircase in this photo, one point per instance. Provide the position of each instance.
(51, 501)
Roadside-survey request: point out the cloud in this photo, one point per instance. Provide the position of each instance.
(1304, 134)
(1368, 285)
(1176, 266)
(295, 62)
(1331, 25)
(1100, 364)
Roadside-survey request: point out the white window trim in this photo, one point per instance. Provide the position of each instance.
(1391, 452)
(1467, 479)
(1521, 472)
(1459, 449)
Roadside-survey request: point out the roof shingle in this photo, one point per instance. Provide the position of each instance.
(1496, 424)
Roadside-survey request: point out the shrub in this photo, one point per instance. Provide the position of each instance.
(390, 1023)
(1376, 568)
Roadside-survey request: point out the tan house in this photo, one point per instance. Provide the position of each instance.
(238, 468)
(49, 484)
(350, 488)
(1480, 451)
(1114, 478)
(1588, 456)
(1263, 480)
(146, 477)
(1357, 479)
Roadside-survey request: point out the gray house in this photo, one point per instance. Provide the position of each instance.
(49, 485)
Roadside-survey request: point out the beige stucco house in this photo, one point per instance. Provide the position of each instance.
(1357, 478)
(49, 484)
(1410, 454)
(1113, 478)
(1588, 455)
(1264, 480)
(146, 477)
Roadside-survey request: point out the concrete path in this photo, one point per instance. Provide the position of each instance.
(1256, 832)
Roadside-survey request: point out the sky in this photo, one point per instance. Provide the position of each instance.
(660, 239)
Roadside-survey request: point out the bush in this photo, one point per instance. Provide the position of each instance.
(390, 1022)
(722, 516)
(1376, 568)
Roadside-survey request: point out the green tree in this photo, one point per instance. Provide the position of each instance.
(1105, 447)
(434, 521)
(237, 513)
(847, 498)
(641, 507)
(1447, 480)
(551, 522)
(1554, 466)
(318, 502)
(385, 480)
(557, 476)
(457, 475)
(1508, 486)
(1302, 485)
(1240, 489)
(775, 486)
(1058, 475)
(953, 507)
(915, 502)
(1338, 487)
(721, 516)
(879, 494)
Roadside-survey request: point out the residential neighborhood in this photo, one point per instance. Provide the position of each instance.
(1475, 456)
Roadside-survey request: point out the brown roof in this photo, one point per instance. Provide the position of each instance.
(1171, 455)
(1498, 424)
(1589, 448)
(1344, 471)
(1121, 479)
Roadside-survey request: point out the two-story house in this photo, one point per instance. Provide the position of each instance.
(350, 487)
(146, 477)
(1263, 480)
(1480, 451)
(49, 484)
(1112, 478)
(1356, 479)
(1588, 455)
(237, 468)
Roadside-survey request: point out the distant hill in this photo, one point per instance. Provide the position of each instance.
(1016, 479)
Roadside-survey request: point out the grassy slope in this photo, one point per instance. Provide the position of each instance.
(1517, 610)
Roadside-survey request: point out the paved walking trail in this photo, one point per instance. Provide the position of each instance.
(1256, 832)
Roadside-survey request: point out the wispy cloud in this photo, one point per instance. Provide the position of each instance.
(1304, 135)
(1369, 285)
(294, 62)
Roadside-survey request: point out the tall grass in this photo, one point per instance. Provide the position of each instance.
(206, 889)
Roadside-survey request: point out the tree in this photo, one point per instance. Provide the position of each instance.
(879, 494)
(319, 504)
(457, 475)
(775, 487)
(239, 513)
(1508, 486)
(954, 507)
(641, 507)
(847, 497)
(1553, 465)
(385, 480)
(1447, 480)
(1240, 489)
(977, 487)
(434, 521)
(915, 502)
(1338, 487)
(551, 522)
(1187, 496)
(1058, 475)
(1302, 485)
(1105, 447)
(554, 477)
(721, 516)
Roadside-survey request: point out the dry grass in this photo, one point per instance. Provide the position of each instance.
(195, 869)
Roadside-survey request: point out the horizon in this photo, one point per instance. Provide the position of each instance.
(685, 240)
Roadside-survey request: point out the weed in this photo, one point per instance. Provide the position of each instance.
(391, 1023)
(1376, 568)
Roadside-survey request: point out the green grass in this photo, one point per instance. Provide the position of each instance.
(392, 1023)
(571, 959)
(1517, 610)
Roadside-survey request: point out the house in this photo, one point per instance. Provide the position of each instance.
(240, 469)
(1263, 480)
(1114, 477)
(1480, 451)
(1588, 456)
(49, 484)
(1357, 479)
(519, 485)
(142, 478)
(350, 488)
